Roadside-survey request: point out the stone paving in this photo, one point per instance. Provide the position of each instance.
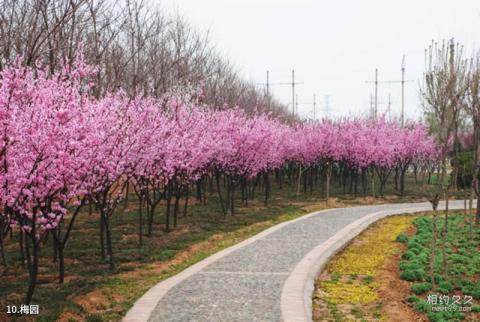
(246, 284)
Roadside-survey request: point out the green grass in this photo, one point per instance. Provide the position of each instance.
(463, 264)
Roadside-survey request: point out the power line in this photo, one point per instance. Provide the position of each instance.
(314, 104)
(267, 84)
(372, 105)
(402, 82)
(327, 105)
(295, 110)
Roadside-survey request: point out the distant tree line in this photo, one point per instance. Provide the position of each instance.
(136, 46)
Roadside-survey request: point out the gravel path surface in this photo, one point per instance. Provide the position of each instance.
(246, 284)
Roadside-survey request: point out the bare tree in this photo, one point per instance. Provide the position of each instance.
(443, 91)
(472, 106)
(135, 45)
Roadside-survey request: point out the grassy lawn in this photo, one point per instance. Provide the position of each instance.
(459, 288)
(352, 286)
(91, 292)
(383, 274)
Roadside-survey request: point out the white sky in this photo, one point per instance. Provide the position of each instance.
(334, 46)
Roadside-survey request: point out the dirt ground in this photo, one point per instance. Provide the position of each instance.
(377, 296)
(393, 290)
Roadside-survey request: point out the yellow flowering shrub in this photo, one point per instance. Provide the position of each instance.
(350, 293)
(360, 262)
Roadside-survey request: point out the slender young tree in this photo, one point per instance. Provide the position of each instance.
(443, 91)
(472, 105)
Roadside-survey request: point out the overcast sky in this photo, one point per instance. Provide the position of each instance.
(334, 46)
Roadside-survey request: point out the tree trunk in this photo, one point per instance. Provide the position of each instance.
(305, 173)
(402, 180)
(470, 215)
(444, 237)
(2, 249)
(434, 244)
(477, 217)
(55, 250)
(27, 250)
(310, 179)
(254, 186)
(455, 154)
(203, 191)
(210, 183)
(61, 263)
(395, 179)
(199, 190)
(140, 222)
(267, 188)
(187, 192)
(476, 172)
(232, 197)
(108, 240)
(21, 246)
(102, 238)
(149, 211)
(33, 269)
(299, 180)
(328, 174)
(244, 188)
(220, 198)
(278, 176)
(125, 201)
(364, 183)
(373, 184)
(167, 211)
(350, 185)
(176, 206)
(228, 194)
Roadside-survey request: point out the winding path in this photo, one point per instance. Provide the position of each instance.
(268, 277)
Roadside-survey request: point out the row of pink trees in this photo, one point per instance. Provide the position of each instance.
(61, 149)
(361, 147)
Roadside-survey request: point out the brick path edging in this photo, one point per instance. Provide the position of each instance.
(296, 292)
(296, 300)
(144, 306)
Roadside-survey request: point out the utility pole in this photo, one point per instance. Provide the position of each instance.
(268, 83)
(292, 84)
(389, 106)
(376, 94)
(371, 105)
(403, 92)
(327, 105)
(375, 107)
(293, 91)
(294, 96)
(295, 111)
(402, 81)
(314, 103)
(268, 89)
